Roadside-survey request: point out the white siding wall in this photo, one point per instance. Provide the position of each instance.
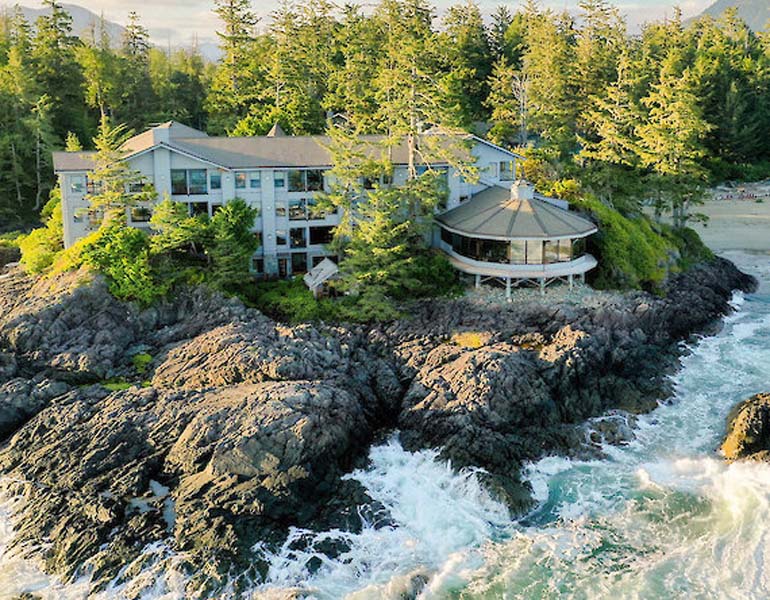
(157, 165)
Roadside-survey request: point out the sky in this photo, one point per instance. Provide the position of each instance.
(178, 21)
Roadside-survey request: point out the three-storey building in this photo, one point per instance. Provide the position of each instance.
(277, 174)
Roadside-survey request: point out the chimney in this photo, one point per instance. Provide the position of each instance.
(522, 190)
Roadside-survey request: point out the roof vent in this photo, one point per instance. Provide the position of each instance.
(276, 131)
(522, 190)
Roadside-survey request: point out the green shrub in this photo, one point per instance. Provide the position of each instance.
(631, 253)
(41, 246)
(9, 247)
(289, 301)
(141, 362)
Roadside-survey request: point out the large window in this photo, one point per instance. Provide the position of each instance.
(280, 237)
(215, 181)
(298, 210)
(188, 182)
(77, 184)
(507, 170)
(140, 214)
(311, 180)
(255, 180)
(321, 235)
(298, 237)
(240, 180)
(280, 210)
(299, 263)
(279, 178)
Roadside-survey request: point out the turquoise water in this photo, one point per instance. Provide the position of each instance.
(661, 517)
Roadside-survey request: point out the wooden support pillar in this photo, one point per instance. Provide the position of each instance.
(571, 281)
(478, 281)
(542, 286)
(508, 289)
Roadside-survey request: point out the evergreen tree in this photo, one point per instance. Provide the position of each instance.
(116, 186)
(548, 65)
(670, 141)
(58, 74)
(232, 88)
(138, 99)
(466, 60)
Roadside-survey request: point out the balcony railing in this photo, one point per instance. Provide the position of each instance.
(576, 266)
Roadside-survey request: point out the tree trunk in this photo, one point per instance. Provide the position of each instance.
(38, 174)
(17, 183)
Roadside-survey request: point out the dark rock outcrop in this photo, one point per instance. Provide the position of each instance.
(748, 430)
(237, 427)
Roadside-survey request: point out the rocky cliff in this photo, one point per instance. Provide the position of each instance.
(205, 423)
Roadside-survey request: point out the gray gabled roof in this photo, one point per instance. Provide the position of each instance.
(73, 161)
(494, 214)
(259, 152)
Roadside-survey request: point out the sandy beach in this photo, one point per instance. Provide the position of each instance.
(739, 218)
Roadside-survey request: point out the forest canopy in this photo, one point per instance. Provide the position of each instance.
(658, 114)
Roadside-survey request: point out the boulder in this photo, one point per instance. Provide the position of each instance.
(748, 430)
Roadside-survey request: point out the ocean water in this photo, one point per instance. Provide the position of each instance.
(660, 517)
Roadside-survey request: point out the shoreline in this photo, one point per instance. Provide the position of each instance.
(234, 395)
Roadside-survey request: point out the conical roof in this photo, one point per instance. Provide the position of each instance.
(276, 131)
(497, 214)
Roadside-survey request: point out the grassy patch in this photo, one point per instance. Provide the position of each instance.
(116, 385)
(141, 362)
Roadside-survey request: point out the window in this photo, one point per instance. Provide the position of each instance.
(140, 214)
(321, 235)
(313, 212)
(315, 180)
(199, 208)
(258, 237)
(299, 263)
(280, 237)
(421, 170)
(464, 199)
(296, 181)
(258, 265)
(370, 183)
(298, 237)
(507, 170)
(317, 260)
(198, 181)
(188, 182)
(297, 210)
(551, 251)
(77, 184)
(240, 180)
(311, 180)
(280, 209)
(92, 187)
(136, 187)
(215, 208)
(178, 182)
(215, 181)
(518, 252)
(255, 180)
(279, 179)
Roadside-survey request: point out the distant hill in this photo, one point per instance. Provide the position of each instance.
(82, 19)
(756, 13)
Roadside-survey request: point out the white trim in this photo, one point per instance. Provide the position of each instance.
(496, 147)
(536, 271)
